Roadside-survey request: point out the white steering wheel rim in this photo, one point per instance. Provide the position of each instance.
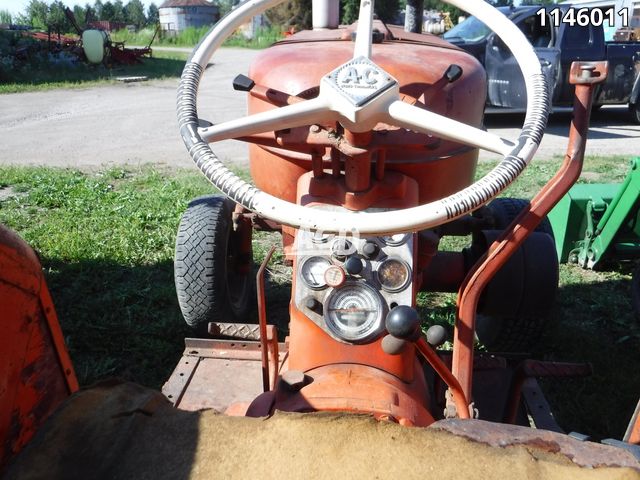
(365, 223)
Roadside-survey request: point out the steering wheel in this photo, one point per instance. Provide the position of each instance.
(359, 109)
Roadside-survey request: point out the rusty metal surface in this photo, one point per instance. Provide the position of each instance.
(175, 386)
(240, 331)
(540, 369)
(538, 408)
(208, 368)
(514, 235)
(217, 383)
(585, 454)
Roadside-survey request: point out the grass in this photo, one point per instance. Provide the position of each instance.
(192, 35)
(106, 242)
(35, 76)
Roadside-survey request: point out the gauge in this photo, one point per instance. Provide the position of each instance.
(354, 312)
(312, 272)
(394, 275)
(334, 276)
(396, 239)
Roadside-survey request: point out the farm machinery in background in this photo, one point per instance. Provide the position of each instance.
(98, 47)
(364, 143)
(92, 45)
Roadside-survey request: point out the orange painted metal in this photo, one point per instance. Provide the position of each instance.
(360, 389)
(311, 347)
(460, 399)
(36, 373)
(439, 167)
(525, 223)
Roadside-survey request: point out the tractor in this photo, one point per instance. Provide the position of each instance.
(364, 143)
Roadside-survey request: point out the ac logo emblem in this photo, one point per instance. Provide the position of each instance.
(363, 76)
(360, 80)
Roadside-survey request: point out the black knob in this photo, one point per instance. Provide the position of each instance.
(453, 73)
(353, 265)
(436, 335)
(243, 83)
(370, 250)
(403, 322)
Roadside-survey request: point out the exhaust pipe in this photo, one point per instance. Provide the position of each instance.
(326, 14)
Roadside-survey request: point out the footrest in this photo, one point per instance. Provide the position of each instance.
(239, 331)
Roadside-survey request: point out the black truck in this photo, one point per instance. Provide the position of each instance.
(558, 41)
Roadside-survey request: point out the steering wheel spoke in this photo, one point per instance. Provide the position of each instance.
(312, 111)
(364, 33)
(408, 116)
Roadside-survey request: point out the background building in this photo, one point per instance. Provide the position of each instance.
(176, 15)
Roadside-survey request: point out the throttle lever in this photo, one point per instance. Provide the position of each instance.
(403, 325)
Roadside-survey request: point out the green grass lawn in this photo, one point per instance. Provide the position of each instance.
(33, 77)
(106, 242)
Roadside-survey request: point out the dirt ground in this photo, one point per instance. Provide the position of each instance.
(135, 123)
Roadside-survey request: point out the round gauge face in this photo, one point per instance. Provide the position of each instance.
(312, 272)
(394, 275)
(334, 276)
(396, 239)
(354, 312)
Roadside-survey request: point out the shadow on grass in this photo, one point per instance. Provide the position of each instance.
(118, 320)
(594, 323)
(125, 321)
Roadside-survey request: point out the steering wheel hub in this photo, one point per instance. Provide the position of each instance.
(359, 81)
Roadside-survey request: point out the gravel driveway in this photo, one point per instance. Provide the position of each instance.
(135, 123)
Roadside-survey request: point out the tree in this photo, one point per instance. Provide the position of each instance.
(119, 12)
(56, 19)
(386, 10)
(81, 16)
(89, 14)
(135, 13)
(225, 6)
(108, 11)
(5, 16)
(97, 9)
(153, 15)
(36, 14)
(349, 11)
(294, 13)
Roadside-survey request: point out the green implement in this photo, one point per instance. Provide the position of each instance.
(594, 221)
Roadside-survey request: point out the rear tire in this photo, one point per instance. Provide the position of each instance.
(210, 284)
(519, 332)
